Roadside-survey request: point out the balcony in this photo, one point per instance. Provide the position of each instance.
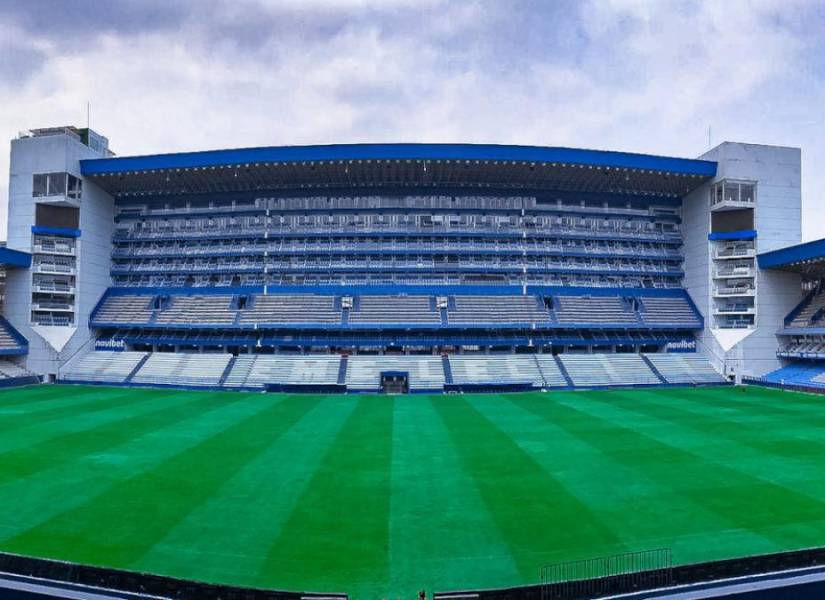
(727, 252)
(53, 269)
(53, 289)
(728, 291)
(52, 306)
(57, 249)
(737, 272)
(734, 310)
(733, 324)
(59, 320)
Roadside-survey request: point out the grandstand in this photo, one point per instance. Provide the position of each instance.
(384, 310)
(522, 371)
(463, 257)
(439, 275)
(362, 373)
(105, 367)
(163, 368)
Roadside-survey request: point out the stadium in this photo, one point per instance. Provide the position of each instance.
(365, 370)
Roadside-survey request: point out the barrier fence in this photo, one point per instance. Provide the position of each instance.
(791, 387)
(61, 577)
(619, 573)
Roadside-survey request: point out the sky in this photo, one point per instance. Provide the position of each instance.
(652, 77)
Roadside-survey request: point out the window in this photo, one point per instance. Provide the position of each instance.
(74, 187)
(56, 184)
(40, 185)
(747, 192)
(733, 191)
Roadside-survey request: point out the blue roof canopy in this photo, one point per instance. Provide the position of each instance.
(15, 258)
(808, 257)
(335, 152)
(478, 165)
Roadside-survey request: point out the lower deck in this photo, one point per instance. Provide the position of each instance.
(390, 372)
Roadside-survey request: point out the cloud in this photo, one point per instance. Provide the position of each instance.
(623, 75)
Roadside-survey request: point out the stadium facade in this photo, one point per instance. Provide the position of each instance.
(424, 266)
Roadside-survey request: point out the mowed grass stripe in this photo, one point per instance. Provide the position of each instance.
(20, 400)
(433, 492)
(788, 453)
(34, 397)
(339, 528)
(224, 539)
(789, 448)
(797, 438)
(749, 404)
(109, 412)
(754, 406)
(531, 508)
(634, 486)
(30, 501)
(96, 531)
(56, 408)
(607, 485)
(55, 452)
(17, 396)
(777, 398)
(705, 479)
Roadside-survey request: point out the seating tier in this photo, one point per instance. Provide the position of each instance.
(363, 372)
(260, 370)
(110, 367)
(11, 370)
(805, 317)
(291, 308)
(197, 310)
(125, 309)
(550, 370)
(685, 368)
(593, 370)
(669, 311)
(394, 309)
(167, 368)
(496, 369)
(497, 310)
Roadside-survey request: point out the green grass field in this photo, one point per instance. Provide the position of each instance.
(382, 496)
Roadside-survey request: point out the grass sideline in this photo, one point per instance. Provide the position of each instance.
(382, 496)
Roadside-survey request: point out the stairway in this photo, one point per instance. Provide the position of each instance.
(342, 371)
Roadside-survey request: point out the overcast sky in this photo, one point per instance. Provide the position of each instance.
(166, 76)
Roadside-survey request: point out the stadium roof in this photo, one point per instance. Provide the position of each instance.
(399, 165)
(807, 258)
(15, 258)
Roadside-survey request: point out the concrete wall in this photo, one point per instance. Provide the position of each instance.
(778, 222)
(47, 346)
(777, 171)
(697, 266)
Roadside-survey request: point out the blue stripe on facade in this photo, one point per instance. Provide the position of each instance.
(62, 231)
(458, 152)
(749, 234)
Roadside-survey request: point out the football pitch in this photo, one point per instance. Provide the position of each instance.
(381, 496)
